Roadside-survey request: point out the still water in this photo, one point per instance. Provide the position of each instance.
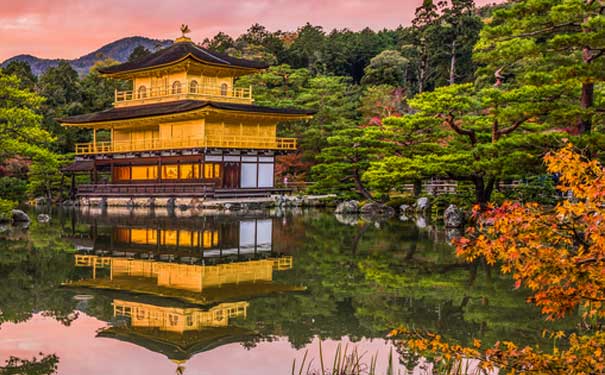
(157, 292)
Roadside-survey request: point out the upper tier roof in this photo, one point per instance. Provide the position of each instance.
(181, 106)
(178, 52)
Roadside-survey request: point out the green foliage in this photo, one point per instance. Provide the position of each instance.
(138, 53)
(6, 206)
(20, 131)
(13, 188)
(47, 365)
(555, 46)
(332, 97)
(61, 87)
(45, 177)
(386, 68)
(465, 134)
(21, 69)
(378, 102)
(343, 161)
(540, 189)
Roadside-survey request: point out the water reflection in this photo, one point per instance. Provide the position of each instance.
(198, 288)
(177, 286)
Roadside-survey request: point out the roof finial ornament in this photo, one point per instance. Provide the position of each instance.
(184, 30)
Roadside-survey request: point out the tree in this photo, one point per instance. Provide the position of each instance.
(23, 71)
(47, 365)
(97, 92)
(138, 53)
(306, 50)
(464, 134)
(439, 44)
(221, 42)
(334, 98)
(60, 85)
(379, 102)
(20, 131)
(557, 253)
(45, 175)
(386, 68)
(343, 161)
(554, 44)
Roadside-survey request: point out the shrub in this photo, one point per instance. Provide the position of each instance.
(12, 188)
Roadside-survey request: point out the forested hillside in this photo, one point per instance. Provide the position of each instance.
(118, 50)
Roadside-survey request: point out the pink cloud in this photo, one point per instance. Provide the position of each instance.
(70, 28)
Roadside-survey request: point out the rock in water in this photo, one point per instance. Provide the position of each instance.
(347, 207)
(20, 217)
(423, 205)
(453, 217)
(43, 218)
(377, 209)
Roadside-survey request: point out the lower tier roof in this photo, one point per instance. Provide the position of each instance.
(180, 106)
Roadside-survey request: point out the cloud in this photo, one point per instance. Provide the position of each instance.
(25, 23)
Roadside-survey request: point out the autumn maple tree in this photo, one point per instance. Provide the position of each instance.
(558, 253)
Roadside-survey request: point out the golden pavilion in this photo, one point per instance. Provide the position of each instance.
(186, 129)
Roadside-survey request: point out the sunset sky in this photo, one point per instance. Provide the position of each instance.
(71, 28)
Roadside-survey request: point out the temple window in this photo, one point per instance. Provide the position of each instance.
(224, 89)
(144, 172)
(142, 92)
(193, 87)
(189, 171)
(212, 170)
(170, 172)
(176, 88)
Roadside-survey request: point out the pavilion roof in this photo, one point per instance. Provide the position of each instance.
(180, 106)
(178, 52)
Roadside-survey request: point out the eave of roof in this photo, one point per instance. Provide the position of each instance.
(175, 107)
(179, 52)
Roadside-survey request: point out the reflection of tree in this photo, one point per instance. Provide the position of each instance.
(46, 365)
(30, 276)
(363, 281)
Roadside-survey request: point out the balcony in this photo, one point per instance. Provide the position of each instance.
(181, 90)
(156, 144)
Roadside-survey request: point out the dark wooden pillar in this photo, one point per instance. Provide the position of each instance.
(72, 189)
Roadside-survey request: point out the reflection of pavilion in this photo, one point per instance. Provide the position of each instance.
(179, 287)
(189, 241)
(193, 283)
(176, 332)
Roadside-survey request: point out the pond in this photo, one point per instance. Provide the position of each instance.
(156, 292)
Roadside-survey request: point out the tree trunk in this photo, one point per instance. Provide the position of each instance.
(586, 102)
(417, 187)
(453, 64)
(359, 185)
(483, 190)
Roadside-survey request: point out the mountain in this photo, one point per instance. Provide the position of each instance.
(118, 50)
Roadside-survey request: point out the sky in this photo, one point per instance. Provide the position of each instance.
(71, 28)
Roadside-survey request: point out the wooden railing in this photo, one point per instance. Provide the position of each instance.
(182, 90)
(157, 144)
(148, 189)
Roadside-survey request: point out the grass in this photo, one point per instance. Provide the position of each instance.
(345, 362)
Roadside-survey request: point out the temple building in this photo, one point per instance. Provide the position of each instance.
(186, 129)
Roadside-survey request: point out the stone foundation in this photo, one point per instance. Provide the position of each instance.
(193, 203)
